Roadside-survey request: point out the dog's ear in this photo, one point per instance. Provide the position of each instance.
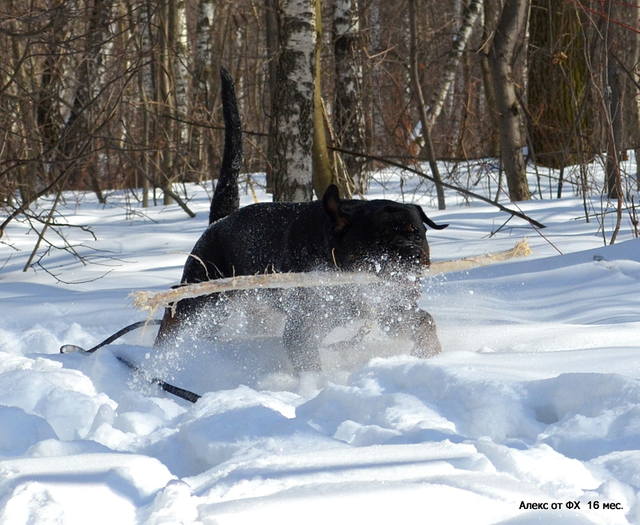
(428, 221)
(331, 203)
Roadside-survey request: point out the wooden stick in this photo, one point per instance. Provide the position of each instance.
(151, 301)
(521, 249)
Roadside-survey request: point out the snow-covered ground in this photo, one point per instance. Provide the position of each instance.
(530, 415)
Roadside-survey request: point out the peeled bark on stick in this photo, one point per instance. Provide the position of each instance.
(150, 302)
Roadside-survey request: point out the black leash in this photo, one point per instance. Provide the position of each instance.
(67, 349)
(167, 387)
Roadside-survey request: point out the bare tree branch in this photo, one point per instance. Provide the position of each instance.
(464, 191)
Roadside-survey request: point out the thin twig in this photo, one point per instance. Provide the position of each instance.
(445, 184)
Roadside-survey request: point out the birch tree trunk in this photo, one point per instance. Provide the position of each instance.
(349, 120)
(146, 81)
(511, 27)
(84, 111)
(202, 96)
(76, 135)
(47, 99)
(293, 102)
(469, 16)
(165, 100)
(180, 62)
(102, 49)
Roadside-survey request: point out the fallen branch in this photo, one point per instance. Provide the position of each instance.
(152, 301)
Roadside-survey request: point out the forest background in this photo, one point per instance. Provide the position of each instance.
(124, 94)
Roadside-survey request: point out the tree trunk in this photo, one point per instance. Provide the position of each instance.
(489, 17)
(635, 110)
(461, 38)
(511, 27)
(48, 99)
(424, 120)
(613, 89)
(557, 82)
(84, 110)
(349, 124)
(27, 125)
(165, 101)
(293, 102)
(202, 93)
(272, 25)
(323, 174)
(615, 93)
(181, 65)
(146, 82)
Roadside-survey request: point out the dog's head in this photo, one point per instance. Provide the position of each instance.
(377, 235)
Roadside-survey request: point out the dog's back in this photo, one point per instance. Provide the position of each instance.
(262, 238)
(226, 198)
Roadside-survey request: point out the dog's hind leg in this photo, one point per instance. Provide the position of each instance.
(168, 328)
(203, 314)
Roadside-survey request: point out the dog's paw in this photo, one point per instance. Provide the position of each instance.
(310, 383)
(278, 382)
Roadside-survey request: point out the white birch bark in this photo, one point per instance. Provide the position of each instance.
(204, 47)
(144, 26)
(460, 40)
(202, 97)
(85, 110)
(99, 70)
(294, 102)
(181, 65)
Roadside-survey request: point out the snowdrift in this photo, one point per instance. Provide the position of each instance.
(531, 414)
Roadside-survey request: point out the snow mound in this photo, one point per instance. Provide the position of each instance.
(530, 415)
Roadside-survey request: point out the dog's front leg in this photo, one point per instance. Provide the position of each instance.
(301, 340)
(418, 326)
(403, 318)
(423, 333)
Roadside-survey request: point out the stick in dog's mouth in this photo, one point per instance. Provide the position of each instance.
(152, 301)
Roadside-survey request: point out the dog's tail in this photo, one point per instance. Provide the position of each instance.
(226, 198)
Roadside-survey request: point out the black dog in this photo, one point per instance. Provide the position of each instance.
(333, 234)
